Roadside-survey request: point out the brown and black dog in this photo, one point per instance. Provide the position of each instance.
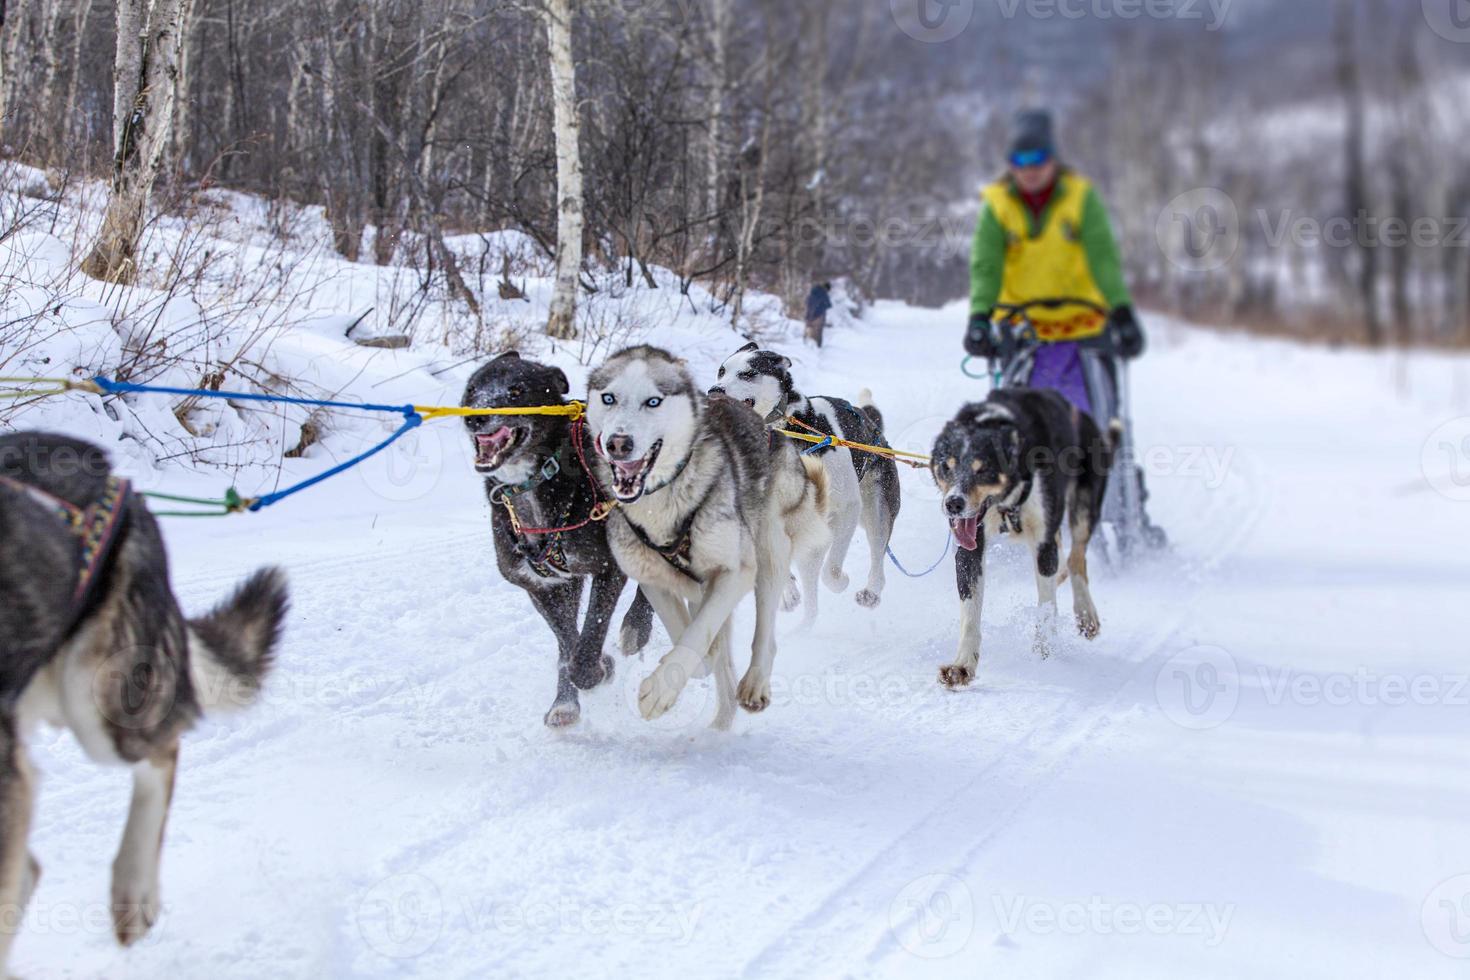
(92, 640)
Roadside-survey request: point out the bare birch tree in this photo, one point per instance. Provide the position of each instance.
(562, 321)
(150, 37)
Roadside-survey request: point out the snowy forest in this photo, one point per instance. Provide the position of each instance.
(416, 414)
(1314, 151)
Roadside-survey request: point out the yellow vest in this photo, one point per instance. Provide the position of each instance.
(1049, 264)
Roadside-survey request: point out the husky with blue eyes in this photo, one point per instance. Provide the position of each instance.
(708, 513)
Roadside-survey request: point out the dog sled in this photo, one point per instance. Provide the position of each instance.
(1127, 533)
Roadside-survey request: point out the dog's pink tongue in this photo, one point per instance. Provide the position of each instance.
(967, 533)
(629, 469)
(496, 439)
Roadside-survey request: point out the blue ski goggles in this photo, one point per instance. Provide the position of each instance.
(1030, 158)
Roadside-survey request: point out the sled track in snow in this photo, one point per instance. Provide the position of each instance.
(981, 810)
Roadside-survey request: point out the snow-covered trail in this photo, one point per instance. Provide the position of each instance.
(1173, 799)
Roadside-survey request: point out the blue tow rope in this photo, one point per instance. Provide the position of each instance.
(948, 540)
(411, 420)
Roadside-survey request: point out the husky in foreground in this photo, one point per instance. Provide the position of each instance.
(710, 511)
(1018, 463)
(864, 486)
(542, 498)
(92, 639)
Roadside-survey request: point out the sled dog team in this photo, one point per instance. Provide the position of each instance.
(697, 497)
(688, 491)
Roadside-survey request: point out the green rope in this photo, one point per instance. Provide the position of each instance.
(230, 503)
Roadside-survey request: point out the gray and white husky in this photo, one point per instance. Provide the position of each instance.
(92, 639)
(864, 486)
(710, 510)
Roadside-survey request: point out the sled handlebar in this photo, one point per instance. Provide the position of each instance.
(1019, 310)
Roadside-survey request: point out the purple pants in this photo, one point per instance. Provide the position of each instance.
(1059, 366)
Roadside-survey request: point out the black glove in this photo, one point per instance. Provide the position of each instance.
(1127, 334)
(978, 339)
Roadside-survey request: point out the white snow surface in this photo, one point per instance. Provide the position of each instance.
(1257, 770)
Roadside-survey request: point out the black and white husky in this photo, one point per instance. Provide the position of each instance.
(92, 639)
(546, 540)
(864, 486)
(708, 513)
(1018, 463)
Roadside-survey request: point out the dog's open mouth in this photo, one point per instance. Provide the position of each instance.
(629, 476)
(492, 449)
(967, 529)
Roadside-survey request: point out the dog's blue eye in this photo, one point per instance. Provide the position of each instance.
(608, 399)
(653, 403)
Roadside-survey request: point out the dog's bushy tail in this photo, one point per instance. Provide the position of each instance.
(816, 475)
(232, 648)
(866, 406)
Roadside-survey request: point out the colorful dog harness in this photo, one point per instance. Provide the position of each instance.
(96, 528)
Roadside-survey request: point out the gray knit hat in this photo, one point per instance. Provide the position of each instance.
(1033, 132)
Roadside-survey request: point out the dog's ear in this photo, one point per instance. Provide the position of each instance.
(559, 379)
(786, 363)
(749, 347)
(1013, 447)
(508, 355)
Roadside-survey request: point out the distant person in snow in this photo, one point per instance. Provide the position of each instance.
(1044, 234)
(818, 302)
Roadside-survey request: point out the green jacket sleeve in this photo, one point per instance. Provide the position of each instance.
(1102, 252)
(987, 262)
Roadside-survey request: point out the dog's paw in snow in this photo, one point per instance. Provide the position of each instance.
(563, 714)
(589, 674)
(791, 598)
(754, 693)
(835, 578)
(868, 599)
(955, 677)
(1088, 624)
(660, 689)
(135, 906)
